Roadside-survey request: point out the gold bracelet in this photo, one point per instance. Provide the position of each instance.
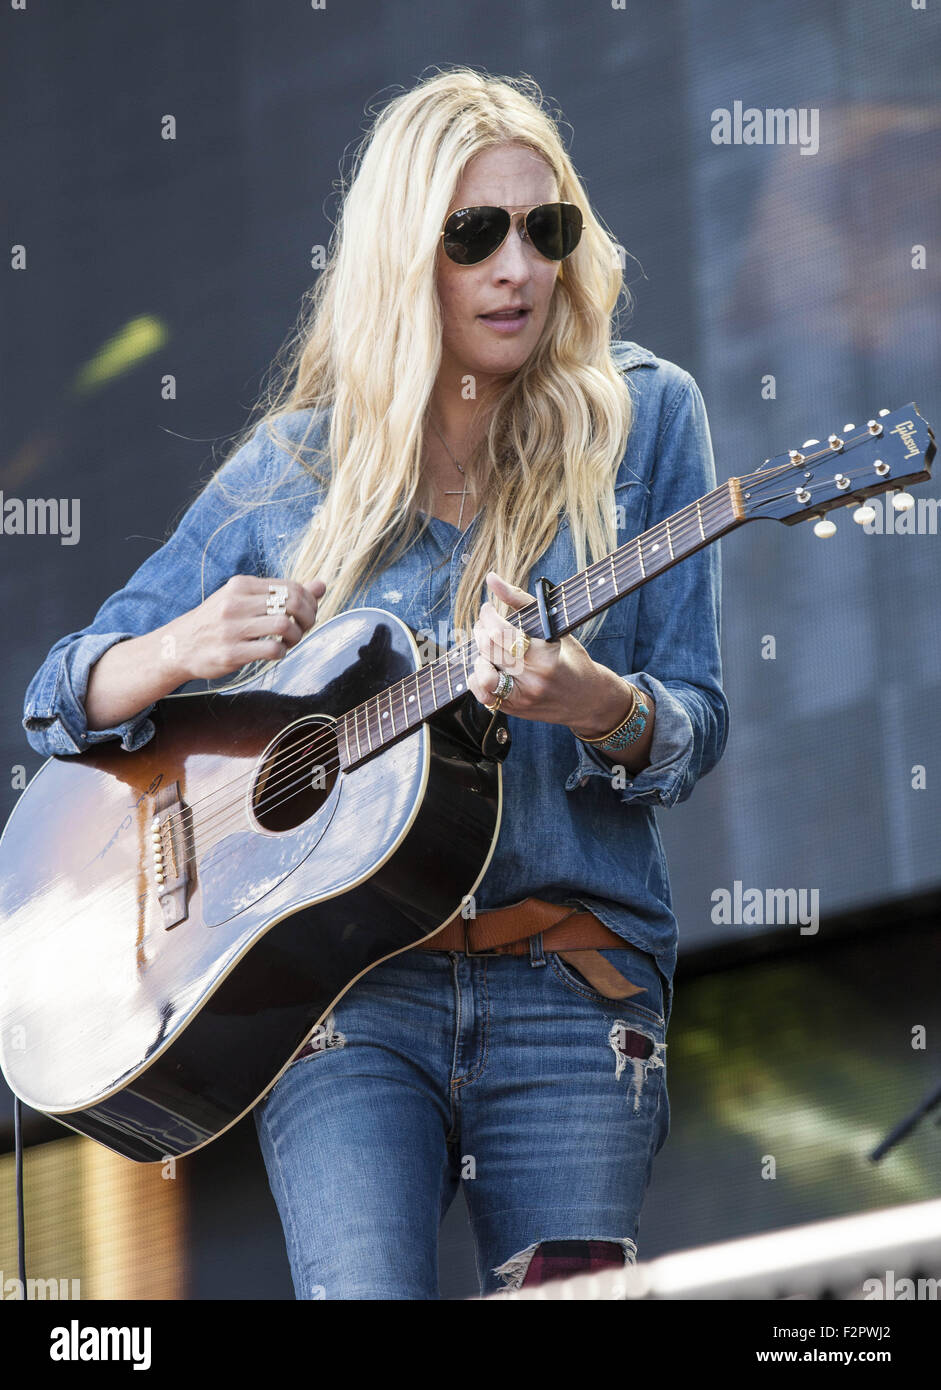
(618, 727)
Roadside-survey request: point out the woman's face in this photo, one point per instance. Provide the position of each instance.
(512, 177)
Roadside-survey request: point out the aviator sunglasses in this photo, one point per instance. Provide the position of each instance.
(472, 234)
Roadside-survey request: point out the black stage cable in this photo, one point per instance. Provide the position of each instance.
(20, 1223)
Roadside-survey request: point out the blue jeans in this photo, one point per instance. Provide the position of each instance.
(509, 1074)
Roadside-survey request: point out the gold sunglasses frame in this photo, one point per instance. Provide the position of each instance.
(557, 202)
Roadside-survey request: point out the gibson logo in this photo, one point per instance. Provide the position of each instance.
(906, 432)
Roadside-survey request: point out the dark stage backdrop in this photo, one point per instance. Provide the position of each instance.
(797, 282)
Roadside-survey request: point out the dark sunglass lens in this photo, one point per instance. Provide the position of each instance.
(555, 229)
(472, 234)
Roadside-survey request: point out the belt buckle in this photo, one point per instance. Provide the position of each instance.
(494, 950)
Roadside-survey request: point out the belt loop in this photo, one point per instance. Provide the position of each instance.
(537, 955)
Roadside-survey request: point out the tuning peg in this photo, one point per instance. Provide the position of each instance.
(864, 514)
(847, 428)
(903, 501)
(883, 411)
(808, 443)
(825, 529)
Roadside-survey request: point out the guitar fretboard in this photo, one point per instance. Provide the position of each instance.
(405, 704)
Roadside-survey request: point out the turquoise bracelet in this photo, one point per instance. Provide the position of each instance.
(629, 731)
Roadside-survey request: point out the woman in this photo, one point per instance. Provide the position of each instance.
(455, 418)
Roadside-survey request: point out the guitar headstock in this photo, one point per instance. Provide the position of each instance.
(890, 451)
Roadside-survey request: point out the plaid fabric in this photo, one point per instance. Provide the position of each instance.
(558, 1259)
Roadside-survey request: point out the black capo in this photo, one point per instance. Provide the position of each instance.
(543, 585)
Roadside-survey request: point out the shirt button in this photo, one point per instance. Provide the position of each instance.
(464, 558)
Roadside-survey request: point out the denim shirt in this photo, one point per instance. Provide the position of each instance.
(569, 832)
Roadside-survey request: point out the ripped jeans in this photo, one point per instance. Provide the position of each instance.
(510, 1075)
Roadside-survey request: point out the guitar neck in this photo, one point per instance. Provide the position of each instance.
(407, 703)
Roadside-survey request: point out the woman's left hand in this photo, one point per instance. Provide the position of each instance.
(556, 682)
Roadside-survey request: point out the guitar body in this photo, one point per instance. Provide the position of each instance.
(152, 1026)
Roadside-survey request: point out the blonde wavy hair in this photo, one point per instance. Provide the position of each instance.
(367, 348)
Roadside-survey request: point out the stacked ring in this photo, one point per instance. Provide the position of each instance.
(504, 685)
(504, 689)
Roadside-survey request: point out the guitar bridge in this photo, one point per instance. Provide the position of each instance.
(169, 854)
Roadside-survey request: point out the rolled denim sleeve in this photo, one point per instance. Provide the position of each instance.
(54, 710)
(216, 538)
(676, 656)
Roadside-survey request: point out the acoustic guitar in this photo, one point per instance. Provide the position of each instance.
(175, 922)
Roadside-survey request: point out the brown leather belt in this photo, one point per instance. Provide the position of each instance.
(505, 931)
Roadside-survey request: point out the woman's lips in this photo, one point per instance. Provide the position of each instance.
(506, 322)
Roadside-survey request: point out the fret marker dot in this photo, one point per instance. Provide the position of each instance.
(385, 714)
(411, 698)
(602, 580)
(554, 608)
(655, 546)
(459, 686)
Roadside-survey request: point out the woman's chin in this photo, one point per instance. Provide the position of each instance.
(500, 358)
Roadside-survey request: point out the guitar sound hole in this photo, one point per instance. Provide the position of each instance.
(296, 776)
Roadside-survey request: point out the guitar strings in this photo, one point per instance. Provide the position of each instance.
(281, 770)
(297, 758)
(305, 755)
(704, 506)
(424, 677)
(294, 760)
(285, 766)
(223, 820)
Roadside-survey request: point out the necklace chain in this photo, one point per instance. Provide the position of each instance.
(459, 469)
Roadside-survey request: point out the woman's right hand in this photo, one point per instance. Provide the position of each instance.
(218, 638)
(232, 627)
